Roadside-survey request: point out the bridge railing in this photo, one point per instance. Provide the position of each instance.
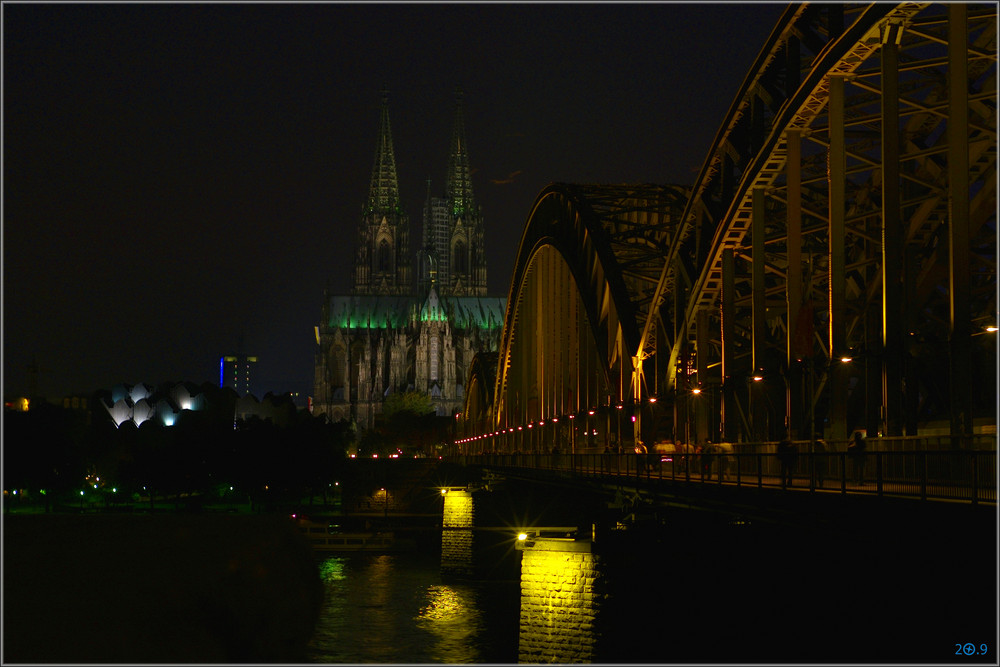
(968, 475)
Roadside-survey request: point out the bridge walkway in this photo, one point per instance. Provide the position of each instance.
(961, 476)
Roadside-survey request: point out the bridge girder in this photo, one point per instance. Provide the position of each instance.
(838, 250)
(847, 208)
(587, 266)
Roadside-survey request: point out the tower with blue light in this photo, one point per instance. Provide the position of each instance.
(236, 372)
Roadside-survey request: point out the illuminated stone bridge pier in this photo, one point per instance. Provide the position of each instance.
(613, 570)
(560, 577)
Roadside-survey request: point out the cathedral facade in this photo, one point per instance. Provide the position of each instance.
(396, 331)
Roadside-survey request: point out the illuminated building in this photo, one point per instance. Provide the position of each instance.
(163, 405)
(236, 371)
(390, 335)
(19, 404)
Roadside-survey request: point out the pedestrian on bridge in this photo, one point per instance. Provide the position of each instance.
(706, 459)
(856, 450)
(724, 450)
(787, 456)
(820, 461)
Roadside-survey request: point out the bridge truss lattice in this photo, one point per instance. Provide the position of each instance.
(846, 210)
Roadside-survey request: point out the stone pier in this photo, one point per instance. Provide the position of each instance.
(561, 598)
(456, 535)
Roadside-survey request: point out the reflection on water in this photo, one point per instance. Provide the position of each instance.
(396, 609)
(452, 616)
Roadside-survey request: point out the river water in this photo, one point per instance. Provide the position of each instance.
(724, 593)
(397, 608)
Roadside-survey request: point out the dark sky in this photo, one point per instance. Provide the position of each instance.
(181, 178)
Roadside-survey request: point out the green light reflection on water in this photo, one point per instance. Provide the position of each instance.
(378, 609)
(332, 569)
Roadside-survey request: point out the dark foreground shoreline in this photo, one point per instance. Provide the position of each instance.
(157, 588)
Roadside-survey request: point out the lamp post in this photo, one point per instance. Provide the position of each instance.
(572, 435)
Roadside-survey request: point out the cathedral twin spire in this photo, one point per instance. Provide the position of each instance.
(459, 186)
(382, 262)
(383, 196)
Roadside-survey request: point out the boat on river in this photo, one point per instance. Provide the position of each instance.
(333, 537)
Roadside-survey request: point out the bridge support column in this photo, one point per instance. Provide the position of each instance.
(706, 420)
(960, 366)
(560, 601)
(839, 374)
(730, 423)
(795, 350)
(892, 248)
(758, 393)
(459, 517)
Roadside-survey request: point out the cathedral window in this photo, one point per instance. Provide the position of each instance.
(460, 264)
(384, 257)
(434, 358)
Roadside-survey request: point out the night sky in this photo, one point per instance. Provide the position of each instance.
(179, 179)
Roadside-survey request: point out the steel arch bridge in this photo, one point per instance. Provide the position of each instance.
(833, 267)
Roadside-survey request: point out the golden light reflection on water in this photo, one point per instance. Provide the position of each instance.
(450, 614)
(390, 609)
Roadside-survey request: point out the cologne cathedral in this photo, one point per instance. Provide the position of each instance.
(400, 332)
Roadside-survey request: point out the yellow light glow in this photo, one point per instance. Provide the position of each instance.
(444, 492)
(521, 537)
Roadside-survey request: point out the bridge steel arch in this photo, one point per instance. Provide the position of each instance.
(587, 266)
(476, 417)
(847, 210)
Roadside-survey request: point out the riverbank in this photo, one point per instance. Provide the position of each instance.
(157, 588)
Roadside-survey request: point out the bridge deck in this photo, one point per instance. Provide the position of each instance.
(967, 476)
